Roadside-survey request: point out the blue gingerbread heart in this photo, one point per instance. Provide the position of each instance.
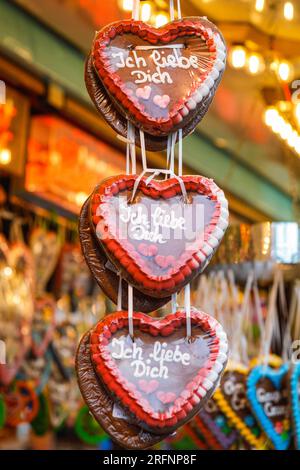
(267, 392)
(295, 401)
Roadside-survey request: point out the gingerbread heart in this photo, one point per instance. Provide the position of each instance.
(119, 123)
(294, 393)
(105, 276)
(215, 423)
(232, 400)
(187, 369)
(267, 392)
(127, 212)
(116, 422)
(181, 63)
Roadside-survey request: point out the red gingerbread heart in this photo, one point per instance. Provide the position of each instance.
(160, 78)
(186, 370)
(185, 233)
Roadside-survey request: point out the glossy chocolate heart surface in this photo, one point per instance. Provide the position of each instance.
(159, 78)
(157, 237)
(162, 377)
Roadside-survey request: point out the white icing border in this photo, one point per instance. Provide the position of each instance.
(208, 84)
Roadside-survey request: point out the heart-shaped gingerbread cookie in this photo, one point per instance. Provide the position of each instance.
(119, 123)
(105, 275)
(232, 400)
(159, 78)
(216, 426)
(157, 239)
(294, 383)
(181, 372)
(116, 423)
(267, 392)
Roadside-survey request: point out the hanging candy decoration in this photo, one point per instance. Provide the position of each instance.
(216, 426)
(151, 237)
(113, 419)
(162, 79)
(294, 394)
(159, 262)
(105, 273)
(232, 400)
(165, 379)
(267, 392)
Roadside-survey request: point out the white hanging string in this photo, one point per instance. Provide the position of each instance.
(172, 10)
(131, 130)
(119, 305)
(143, 150)
(127, 159)
(130, 310)
(174, 303)
(296, 329)
(259, 314)
(155, 172)
(285, 317)
(271, 318)
(166, 46)
(187, 307)
(172, 159)
(178, 10)
(180, 152)
(136, 10)
(168, 153)
(292, 322)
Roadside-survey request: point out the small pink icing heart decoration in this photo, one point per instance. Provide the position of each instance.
(144, 92)
(162, 101)
(166, 397)
(148, 386)
(147, 250)
(164, 261)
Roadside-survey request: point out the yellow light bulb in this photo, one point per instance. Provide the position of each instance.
(259, 5)
(161, 19)
(278, 125)
(127, 5)
(5, 156)
(146, 12)
(271, 115)
(255, 63)
(285, 71)
(288, 11)
(80, 198)
(238, 57)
